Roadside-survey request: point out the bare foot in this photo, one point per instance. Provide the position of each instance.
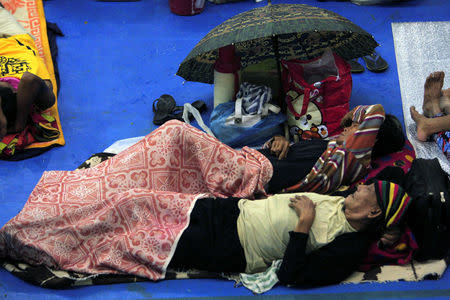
(423, 130)
(432, 94)
(444, 102)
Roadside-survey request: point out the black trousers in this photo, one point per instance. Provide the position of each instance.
(299, 161)
(211, 241)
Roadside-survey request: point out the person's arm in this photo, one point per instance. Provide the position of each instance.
(369, 118)
(329, 264)
(31, 90)
(278, 146)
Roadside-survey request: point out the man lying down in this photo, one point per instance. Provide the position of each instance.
(321, 239)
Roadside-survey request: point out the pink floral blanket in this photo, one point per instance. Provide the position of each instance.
(127, 214)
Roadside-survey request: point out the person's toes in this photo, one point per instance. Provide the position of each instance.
(432, 93)
(435, 81)
(414, 113)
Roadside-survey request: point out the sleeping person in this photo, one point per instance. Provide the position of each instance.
(322, 239)
(323, 166)
(25, 83)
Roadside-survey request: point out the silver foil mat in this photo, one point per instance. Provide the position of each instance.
(420, 49)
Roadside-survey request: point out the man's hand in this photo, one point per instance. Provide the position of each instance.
(391, 236)
(279, 146)
(306, 211)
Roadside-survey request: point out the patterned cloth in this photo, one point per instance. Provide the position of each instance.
(126, 214)
(344, 164)
(254, 97)
(393, 201)
(43, 127)
(400, 253)
(442, 139)
(262, 282)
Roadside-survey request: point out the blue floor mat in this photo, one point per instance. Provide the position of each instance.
(117, 57)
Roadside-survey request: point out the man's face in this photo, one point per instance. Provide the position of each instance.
(362, 200)
(347, 132)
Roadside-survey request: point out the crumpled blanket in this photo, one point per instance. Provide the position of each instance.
(126, 215)
(399, 253)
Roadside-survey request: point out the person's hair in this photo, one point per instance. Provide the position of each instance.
(376, 226)
(390, 137)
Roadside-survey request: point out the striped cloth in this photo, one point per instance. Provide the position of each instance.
(442, 139)
(342, 164)
(254, 97)
(393, 201)
(261, 282)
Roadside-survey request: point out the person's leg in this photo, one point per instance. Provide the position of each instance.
(181, 158)
(444, 102)
(211, 240)
(299, 161)
(432, 94)
(428, 126)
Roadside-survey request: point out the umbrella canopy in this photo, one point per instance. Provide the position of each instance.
(281, 31)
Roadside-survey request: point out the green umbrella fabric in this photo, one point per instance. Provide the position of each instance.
(302, 31)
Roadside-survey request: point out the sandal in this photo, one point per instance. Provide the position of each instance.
(356, 67)
(375, 63)
(163, 109)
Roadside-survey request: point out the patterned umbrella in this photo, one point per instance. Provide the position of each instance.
(281, 31)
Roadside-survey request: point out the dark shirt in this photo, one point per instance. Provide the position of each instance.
(329, 264)
(211, 242)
